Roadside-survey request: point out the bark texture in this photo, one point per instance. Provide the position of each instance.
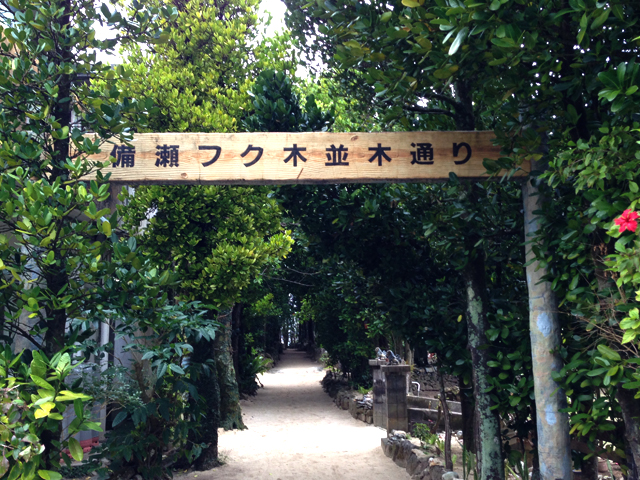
(488, 440)
(467, 407)
(207, 385)
(631, 415)
(236, 337)
(230, 412)
(554, 443)
(447, 424)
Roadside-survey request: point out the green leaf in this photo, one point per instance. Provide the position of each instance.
(160, 39)
(608, 353)
(49, 475)
(42, 383)
(106, 228)
(75, 449)
(67, 395)
(410, 3)
(148, 355)
(78, 408)
(460, 37)
(600, 19)
(385, 17)
(503, 42)
(4, 465)
(119, 418)
(176, 368)
(580, 35)
(629, 336)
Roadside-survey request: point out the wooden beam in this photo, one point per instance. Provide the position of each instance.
(286, 158)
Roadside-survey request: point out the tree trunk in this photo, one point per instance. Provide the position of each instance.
(312, 336)
(209, 405)
(55, 276)
(554, 444)
(230, 412)
(535, 461)
(447, 423)
(408, 353)
(467, 408)
(488, 441)
(285, 335)
(236, 324)
(631, 414)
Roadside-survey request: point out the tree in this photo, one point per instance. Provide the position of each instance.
(54, 91)
(218, 238)
(524, 70)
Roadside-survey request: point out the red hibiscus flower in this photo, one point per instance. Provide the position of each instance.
(627, 221)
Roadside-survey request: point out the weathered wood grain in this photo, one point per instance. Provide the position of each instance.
(196, 151)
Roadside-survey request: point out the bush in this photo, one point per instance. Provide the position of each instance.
(156, 403)
(33, 401)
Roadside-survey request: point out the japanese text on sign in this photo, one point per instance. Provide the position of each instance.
(259, 158)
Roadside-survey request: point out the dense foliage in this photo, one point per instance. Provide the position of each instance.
(415, 268)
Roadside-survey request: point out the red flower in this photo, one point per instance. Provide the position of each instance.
(627, 221)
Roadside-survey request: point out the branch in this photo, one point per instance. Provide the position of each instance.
(435, 111)
(297, 271)
(442, 98)
(24, 334)
(290, 281)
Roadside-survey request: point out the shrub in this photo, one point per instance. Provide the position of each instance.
(34, 398)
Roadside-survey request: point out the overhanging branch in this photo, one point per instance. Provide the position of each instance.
(433, 111)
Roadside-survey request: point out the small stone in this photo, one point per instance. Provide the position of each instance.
(402, 453)
(386, 446)
(393, 448)
(417, 462)
(421, 475)
(459, 433)
(450, 476)
(436, 470)
(416, 442)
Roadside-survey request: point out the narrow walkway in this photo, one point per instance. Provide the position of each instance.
(297, 433)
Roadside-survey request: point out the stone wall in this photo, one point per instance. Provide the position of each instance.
(359, 406)
(408, 454)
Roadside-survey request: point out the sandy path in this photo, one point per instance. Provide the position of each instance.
(296, 433)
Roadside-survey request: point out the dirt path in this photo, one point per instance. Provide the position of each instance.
(296, 433)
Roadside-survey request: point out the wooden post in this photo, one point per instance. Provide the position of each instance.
(554, 443)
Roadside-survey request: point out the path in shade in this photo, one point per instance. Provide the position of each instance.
(297, 433)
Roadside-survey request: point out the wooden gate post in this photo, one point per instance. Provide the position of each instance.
(554, 443)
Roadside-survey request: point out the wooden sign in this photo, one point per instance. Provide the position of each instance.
(285, 158)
